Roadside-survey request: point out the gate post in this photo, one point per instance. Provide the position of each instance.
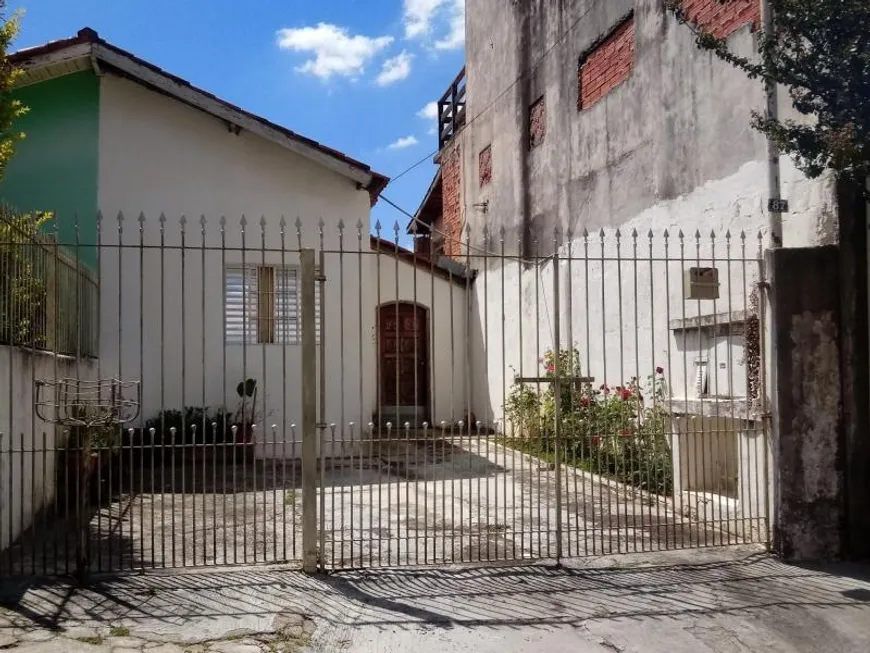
(309, 414)
(557, 412)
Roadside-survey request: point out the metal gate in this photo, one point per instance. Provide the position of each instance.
(188, 394)
(605, 396)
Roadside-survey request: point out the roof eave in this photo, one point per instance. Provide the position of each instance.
(86, 48)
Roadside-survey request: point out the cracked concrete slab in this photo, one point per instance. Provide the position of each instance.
(709, 601)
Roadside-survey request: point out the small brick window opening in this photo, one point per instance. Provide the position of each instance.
(484, 164)
(607, 64)
(537, 123)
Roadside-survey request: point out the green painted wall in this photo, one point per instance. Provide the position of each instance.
(55, 166)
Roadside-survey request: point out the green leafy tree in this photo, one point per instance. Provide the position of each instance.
(10, 108)
(819, 50)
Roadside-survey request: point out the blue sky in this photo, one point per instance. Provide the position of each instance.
(354, 75)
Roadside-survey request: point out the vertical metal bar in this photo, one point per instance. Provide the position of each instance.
(747, 374)
(486, 501)
(604, 434)
(469, 381)
(654, 477)
(588, 520)
(574, 370)
(504, 427)
(224, 417)
(557, 407)
(342, 417)
(245, 424)
(617, 434)
(733, 430)
(321, 287)
(379, 408)
(184, 448)
(83, 566)
(754, 306)
(309, 414)
(636, 399)
(453, 454)
(763, 298)
(285, 338)
(35, 250)
(416, 425)
(668, 387)
(163, 539)
(542, 429)
(362, 416)
(703, 447)
(683, 434)
(396, 398)
(716, 435)
(265, 301)
(520, 265)
(202, 401)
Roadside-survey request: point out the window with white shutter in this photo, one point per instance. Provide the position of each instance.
(262, 305)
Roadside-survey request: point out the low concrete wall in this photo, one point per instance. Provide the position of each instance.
(807, 444)
(720, 473)
(28, 444)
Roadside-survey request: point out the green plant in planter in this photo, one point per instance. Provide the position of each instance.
(247, 412)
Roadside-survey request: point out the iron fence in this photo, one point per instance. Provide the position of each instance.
(318, 395)
(48, 295)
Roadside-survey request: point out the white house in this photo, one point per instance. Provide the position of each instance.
(194, 212)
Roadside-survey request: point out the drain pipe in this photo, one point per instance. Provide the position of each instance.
(776, 205)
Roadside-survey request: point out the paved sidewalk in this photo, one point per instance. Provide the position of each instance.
(724, 601)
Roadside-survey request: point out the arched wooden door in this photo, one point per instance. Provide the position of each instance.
(403, 363)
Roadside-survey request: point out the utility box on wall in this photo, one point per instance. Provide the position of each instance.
(702, 283)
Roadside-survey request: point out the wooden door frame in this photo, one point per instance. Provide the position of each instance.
(427, 400)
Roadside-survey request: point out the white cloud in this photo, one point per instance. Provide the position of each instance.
(456, 35)
(335, 50)
(422, 18)
(419, 15)
(429, 112)
(402, 143)
(395, 69)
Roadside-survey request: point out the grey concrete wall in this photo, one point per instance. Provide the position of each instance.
(28, 445)
(807, 443)
(679, 122)
(855, 357)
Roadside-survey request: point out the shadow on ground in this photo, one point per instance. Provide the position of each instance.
(530, 596)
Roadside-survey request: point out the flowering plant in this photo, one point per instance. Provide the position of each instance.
(619, 430)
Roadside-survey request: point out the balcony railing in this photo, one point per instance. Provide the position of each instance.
(451, 110)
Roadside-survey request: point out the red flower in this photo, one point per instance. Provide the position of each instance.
(550, 368)
(585, 402)
(660, 370)
(595, 439)
(625, 394)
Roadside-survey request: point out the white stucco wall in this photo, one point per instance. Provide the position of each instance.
(619, 323)
(28, 447)
(162, 314)
(162, 308)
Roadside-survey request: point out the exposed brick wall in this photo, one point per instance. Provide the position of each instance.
(722, 19)
(451, 200)
(607, 65)
(484, 166)
(537, 122)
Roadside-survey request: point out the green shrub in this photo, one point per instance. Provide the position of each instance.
(616, 432)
